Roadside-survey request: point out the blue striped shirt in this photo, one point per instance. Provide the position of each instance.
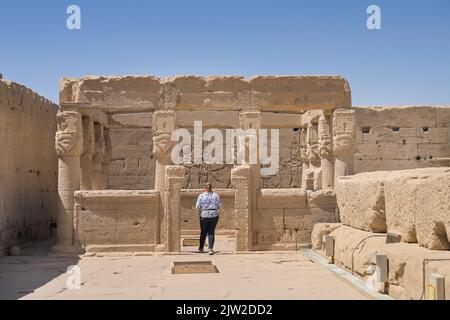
(209, 204)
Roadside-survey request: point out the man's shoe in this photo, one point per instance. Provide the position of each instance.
(211, 252)
(200, 251)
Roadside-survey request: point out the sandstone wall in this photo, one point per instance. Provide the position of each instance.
(397, 138)
(132, 166)
(285, 217)
(116, 220)
(28, 165)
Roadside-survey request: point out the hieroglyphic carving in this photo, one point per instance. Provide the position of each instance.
(69, 137)
(290, 171)
(197, 175)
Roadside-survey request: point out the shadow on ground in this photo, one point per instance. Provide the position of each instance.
(22, 275)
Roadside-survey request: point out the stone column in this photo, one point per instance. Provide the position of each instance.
(252, 120)
(313, 176)
(69, 146)
(343, 141)
(241, 180)
(304, 158)
(106, 159)
(326, 152)
(88, 153)
(164, 122)
(174, 176)
(97, 159)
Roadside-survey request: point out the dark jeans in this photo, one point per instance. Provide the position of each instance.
(207, 228)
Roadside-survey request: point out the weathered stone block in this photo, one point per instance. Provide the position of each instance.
(361, 201)
(319, 231)
(418, 207)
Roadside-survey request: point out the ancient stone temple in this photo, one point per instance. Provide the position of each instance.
(366, 187)
(120, 191)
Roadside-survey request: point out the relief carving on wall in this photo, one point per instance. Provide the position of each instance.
(290, 171)
(197, 175)
(69, 137)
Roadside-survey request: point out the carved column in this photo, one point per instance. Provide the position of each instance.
(304, 158)
(241, 180)
(69, 146)
(343, 141)
(164, 122)
(313, 179)
(326, 152)
(106, 159)
(88, 153)
(174, 176)
(97, 159)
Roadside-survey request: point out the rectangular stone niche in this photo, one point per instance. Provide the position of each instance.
(194, 267)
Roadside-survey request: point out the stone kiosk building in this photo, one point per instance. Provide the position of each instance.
(119, 190)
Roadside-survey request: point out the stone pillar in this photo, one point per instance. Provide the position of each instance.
(164, 122)
(252, 120)
(97, 159)
(304, 158)
(313, 176)
(106, 159)
(174, 176)
(344, 127)
(69, 146)
(241, 180)
(88, 153)
(326, 152)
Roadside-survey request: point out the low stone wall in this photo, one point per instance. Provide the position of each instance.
(414, 204)
(28, 165)
(125, 221)
(285, 217)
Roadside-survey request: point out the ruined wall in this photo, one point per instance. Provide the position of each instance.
(397, 138)
(28, 165)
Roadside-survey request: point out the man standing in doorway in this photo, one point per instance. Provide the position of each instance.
(208, 206)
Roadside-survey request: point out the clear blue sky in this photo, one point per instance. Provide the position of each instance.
(407, 62)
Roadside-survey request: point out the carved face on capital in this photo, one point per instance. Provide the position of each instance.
(162, 147)
(343, 143)
(69, 137)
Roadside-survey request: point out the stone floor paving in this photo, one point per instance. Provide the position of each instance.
(290, 275)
